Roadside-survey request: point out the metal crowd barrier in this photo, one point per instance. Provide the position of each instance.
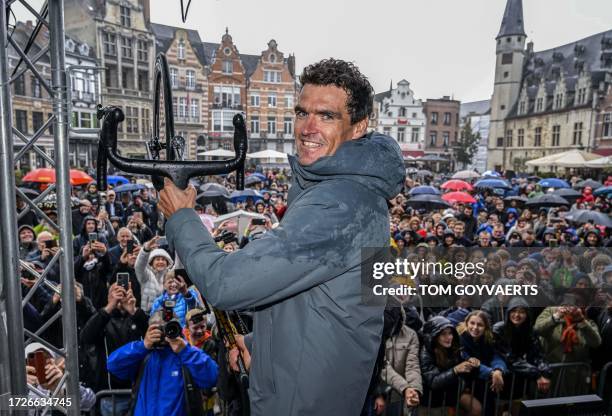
(601, 390)
(95, 411)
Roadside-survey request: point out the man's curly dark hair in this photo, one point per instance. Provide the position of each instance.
(344, 75)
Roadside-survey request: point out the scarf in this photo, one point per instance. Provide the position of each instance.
(569, 337)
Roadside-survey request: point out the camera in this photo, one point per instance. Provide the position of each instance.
(227, 237)
(171, 327)
(50, 244)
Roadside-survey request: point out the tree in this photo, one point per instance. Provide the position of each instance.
(467, 145)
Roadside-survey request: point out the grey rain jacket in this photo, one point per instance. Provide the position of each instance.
(313, 344)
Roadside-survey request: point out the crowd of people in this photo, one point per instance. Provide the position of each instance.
(447, 352)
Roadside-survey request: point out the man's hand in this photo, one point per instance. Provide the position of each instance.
(242, 349)
(53, 375)
(115, 295)
(99, 247)
(177, 344)
(152, 337)
(171, 198)
(31, 375)
(129, 302)
(411, 396)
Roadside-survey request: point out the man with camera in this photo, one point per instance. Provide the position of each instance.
(164, 369)
(303, 278)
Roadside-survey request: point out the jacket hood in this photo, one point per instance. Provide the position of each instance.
(27, 227)
(160, 252)
(517, 302)
(433, 327)
(84, 223)
(375, 161)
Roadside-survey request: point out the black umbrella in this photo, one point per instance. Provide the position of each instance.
(252, 180)
(424, 172)
(29, 192)
(427, 201)
(546, 201)
(212, 189)
(568, 193)
(588, 182)
(583, 216)
(519, 199)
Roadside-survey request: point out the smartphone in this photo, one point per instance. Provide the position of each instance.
(93, 237)
(258, 221)
(162, 241)
(553, 242)
(130, 246)
(50, 243)
(38, 360)
(123, 280)
(184, 275)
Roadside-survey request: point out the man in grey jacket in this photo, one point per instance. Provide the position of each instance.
(314, 343)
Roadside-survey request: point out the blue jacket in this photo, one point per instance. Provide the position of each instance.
(183, 304)
(161, 390)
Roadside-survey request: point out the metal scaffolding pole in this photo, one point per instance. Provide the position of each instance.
(8, 223)
(62, 166)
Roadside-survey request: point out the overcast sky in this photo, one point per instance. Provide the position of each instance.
(442, 47)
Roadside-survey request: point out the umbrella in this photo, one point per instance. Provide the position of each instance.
(553, 183)
(588, 182)
(267, 154)
(47, 175)
(427, 201)
(116, 180)
(602, 162)
(50, 202)
(605, 191)
(241, 196)
(241, 218)
(459, 197)
(546, 201)
(567, 193)
(29, 192)
(259, 175)
(466, 174)
(571, 159)
(583, 216)
(420, 190)
(424, 172)
(492, 174)
(252, 180)
(492, 183)
(212, 189)
(218, 153)
(457, 185)
(519, 199)
(129, 187)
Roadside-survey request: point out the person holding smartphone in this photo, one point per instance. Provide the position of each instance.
(46, 248)
(126, 265)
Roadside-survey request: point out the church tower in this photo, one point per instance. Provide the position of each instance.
(510, 51)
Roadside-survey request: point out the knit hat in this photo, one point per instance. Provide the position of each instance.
(160, 252)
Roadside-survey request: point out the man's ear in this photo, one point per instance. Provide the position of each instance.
(360, 128)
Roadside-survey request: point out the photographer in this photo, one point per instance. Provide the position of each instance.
(124, 235)
(46, 249)
(114, 325)
(89, 233)
(126, 264)
(92, 268)
(159, 370)
(138, 227)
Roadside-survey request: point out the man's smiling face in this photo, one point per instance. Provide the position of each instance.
(323, 123)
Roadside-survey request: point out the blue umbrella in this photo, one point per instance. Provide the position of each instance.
(129, 187)
(259, 175)
(424, 190)
(491, 173)
(553, 183)
(241, 196)
(605, 191)
(116, 180)
(492, 183)
(252, 180)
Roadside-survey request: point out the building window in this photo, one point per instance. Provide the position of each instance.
(288, 125)
(506, 59)
(21, 121)
(416, 132)
(387, 131)
(20, 85)
(126, 47)
(271, 100)
(447, 119)
(127, 78)
(146, 126)
(181, 49)
(37, 120)
(85, 120)
(556, 135)
(174, 77)
(539, 104)
(110, 43)
(228, 67)
(143, 51)
(194, 105)
(402, 112)
(445, 139)
(577, 138)
(558, 101)
(255, 124)
(433, 139)
(522, 107)
(190, 79)
(226, 96)
(216, 120)
(110, 76)
(537, 139)
(607, 125)
(143, 81)
(401, 134)
(521, 137)
(182, 107)
(272, 76)
(508, 138)
(500, 142)
(131, 119)
(434, 118)
(255, 100)
(271, 125)
(125, 16)
(289, 101)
